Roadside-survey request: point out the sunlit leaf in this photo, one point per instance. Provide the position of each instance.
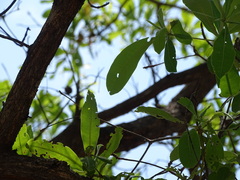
(223, 54)
(111, 147)
(24, 135)
(158, 113)
(124, 65)
(170, 56)
(189, 148)
(159, 40)
(41, 148)
(113, 143)
(89, 123)
(178, 31)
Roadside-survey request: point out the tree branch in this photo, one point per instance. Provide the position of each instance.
(171, 80)
(201, 82)
(16, 108)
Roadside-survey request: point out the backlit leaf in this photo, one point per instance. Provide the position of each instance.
(124, 65)
(24, 135)
(112, 145)
(89, 123)
(41, 148)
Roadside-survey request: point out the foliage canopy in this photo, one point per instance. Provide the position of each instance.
(202, 131)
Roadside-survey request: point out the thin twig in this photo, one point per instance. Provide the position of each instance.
(8, 8)
(19, 43)
(98, 6)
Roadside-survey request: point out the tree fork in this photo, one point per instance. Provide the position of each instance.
(16, 108)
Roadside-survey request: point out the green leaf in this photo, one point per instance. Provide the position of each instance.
(113, 143)
(230, 83)
(160, 18)
(124, 65)
(159, 40)
(178, 31)
(111, 147)
(214, 152)
(187, 103)
(223, 54)
(232, 11)
(224, 173)
(24, 135)
(233, 19)
(45, 149)
(174, 154)
(158, 113)
(90, 123)
(89, 165)
(236, 103)
(170, 57)
(204, 11)
(189, 148)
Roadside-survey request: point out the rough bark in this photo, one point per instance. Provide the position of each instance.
(34, 168)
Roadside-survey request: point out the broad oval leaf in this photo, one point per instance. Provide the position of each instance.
(124, 65)
(170, 56)
(159, 40)
(89, 123)
(178, 31)
(111, 147)
(223, 54)
(189, 148)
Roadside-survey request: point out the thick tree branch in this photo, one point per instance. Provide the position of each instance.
(15, 167)
(16, 108)
(171, 80)
(201, 81)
